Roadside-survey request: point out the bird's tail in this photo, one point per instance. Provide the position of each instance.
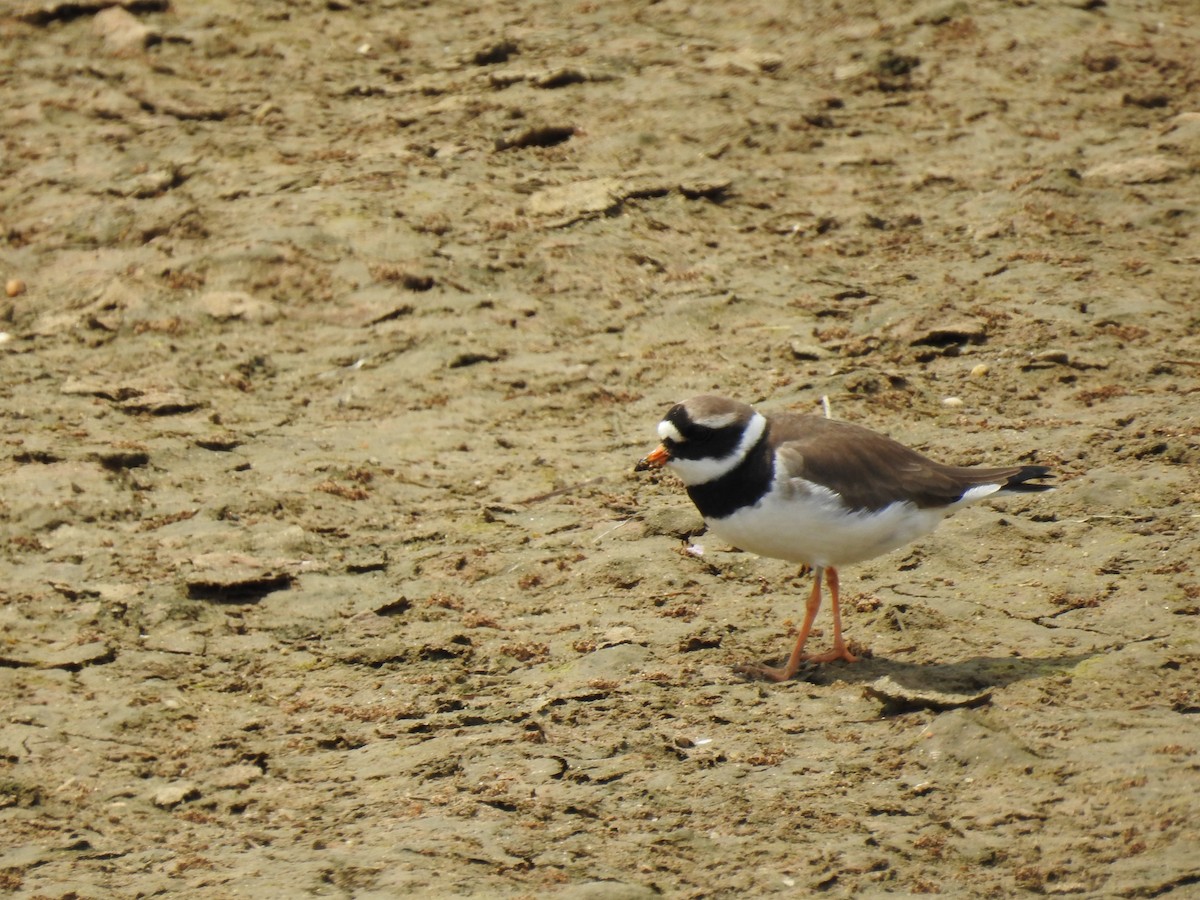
(1022, 482)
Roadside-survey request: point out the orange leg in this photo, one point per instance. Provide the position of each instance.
(839, 651)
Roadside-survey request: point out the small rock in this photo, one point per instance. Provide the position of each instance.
(556, 78)
(503, 78)
(493, 51)
(851, 71)
(743, 62)
(704, 639)
(1089, 361)
(536, 136)
(676, 521)
(63, 655)
(74, 658)
(120, 458)
(593, 196)
(235, 578)
(979, 371)
(802, 350)
(1053, 357)
(224, 306)
(97, 386)
(239, 776)
(952, 402)
(121, 31)
(159, 403)
(473, 358)
(943, 333)
(190, 105)
(14, 287)
(1139, 170)
(897, 697)
(705, 188)
(220, 442)
(174, 794)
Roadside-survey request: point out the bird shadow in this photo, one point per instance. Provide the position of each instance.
(968, 676)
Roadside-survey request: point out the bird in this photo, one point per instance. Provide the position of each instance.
(816, 491)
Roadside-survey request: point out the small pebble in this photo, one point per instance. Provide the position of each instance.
(952, 402)
(175, 793)
(14, 287)
(1053, 356)
(980, 370)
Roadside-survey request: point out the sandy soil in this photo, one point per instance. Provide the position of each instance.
(336, 328)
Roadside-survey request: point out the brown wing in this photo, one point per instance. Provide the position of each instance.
(871, 471)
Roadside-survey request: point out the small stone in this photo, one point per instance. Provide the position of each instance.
(1138, 170)
(237, 776)
(952, 402)
(97, 386)
(898, 697)
(980, 370)
(592, 196)
(675, 521)
(706, 638)
(1055, 356)
(224, 306)
(941, 332)
(14, 287)
(559, 77)
(743, 62)
(174, 794)
(158, 403)
(65, 655)
(76, 657)
(850, 71)
(235, 578)
(805, 351)
(493, 51)
(474, 358)
(221, 442)
(121, 31)
(706, 188)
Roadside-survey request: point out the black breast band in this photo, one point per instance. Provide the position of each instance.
(744, 486)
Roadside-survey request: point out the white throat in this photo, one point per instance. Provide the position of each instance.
(701, 471)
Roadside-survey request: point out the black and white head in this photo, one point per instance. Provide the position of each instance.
(705, 438)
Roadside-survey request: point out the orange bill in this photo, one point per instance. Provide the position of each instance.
(656, 460)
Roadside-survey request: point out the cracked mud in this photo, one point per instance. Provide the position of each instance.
(332, 332)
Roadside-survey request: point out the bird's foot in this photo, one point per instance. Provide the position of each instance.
(839, 651)
(763, 672)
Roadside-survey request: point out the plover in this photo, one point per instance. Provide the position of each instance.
(815, 491)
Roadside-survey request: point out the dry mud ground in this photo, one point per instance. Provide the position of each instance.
(343, 324)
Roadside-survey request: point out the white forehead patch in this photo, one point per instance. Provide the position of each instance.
(668, 432)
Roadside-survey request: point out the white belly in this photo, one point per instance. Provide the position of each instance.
(817, 529)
